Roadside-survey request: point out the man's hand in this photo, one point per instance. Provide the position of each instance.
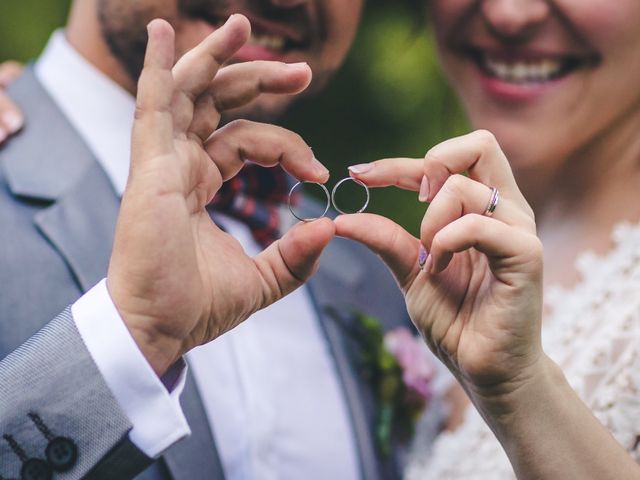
(478, 300)
(11, 119)
(177, 280)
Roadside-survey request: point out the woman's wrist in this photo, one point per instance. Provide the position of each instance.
(501, 403)
(548, 432)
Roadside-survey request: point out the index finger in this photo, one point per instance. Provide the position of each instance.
(477, 153)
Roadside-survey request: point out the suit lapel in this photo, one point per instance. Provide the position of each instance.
(325, 304)
(49, 163)
(81, 225)
(332, 290)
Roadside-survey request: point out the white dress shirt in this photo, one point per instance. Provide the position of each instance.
(269, 387)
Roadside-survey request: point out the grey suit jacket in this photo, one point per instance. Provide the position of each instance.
(57, 218)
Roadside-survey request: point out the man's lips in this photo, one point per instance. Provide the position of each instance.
(250, 52)
(269, 40)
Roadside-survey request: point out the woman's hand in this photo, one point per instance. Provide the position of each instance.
(478, 298)
(11, 120)
(177, 280)
(478, 304)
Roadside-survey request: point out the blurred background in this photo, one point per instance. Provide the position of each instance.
(389, 100)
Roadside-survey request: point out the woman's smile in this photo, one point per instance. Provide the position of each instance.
(517, 66)
(522, 74)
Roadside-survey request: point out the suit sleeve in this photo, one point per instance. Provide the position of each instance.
(58, 412)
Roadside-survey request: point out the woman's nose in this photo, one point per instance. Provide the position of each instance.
(514, 18)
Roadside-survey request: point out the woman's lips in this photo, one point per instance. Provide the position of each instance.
(520, 76)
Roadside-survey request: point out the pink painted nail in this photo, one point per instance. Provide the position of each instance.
(361, 168)
(423, 255)
(423, 196)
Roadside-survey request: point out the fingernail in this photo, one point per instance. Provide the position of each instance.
(321, 170)
(361, 168)
(423, 196)
(12, 121)
(423, 255)
(297, 65)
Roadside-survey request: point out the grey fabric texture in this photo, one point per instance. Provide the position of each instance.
(58, 212)
(53, 375)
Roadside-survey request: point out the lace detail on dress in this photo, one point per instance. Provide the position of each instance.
(593, 332)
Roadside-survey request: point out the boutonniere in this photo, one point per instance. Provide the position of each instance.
(398, 367)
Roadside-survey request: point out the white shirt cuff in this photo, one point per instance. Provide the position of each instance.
(155, 413)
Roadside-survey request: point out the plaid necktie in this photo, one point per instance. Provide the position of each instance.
(255, 197)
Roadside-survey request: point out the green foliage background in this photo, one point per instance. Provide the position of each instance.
(389, 100)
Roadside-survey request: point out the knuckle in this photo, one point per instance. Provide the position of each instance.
(531, 213)
(536, 247)
(139, 112)
(238, 124)
(295, 137)
(431, 157)
(455, 185)
(530, 224)
(485, 138)
(487, 141)
(475, 224)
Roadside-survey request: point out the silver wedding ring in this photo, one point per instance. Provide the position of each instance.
(493, 202)
(326, 208)
(331, 198)
(335, 189)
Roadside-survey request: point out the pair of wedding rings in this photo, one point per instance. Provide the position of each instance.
(331, 198)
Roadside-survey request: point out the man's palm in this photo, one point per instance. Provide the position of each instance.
(176, 278)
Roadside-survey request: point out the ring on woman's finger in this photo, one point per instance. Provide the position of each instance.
(493, 202)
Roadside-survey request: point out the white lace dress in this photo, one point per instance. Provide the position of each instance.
(593, 333)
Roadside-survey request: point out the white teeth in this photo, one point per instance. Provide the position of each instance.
(521, 72)
(272, 42)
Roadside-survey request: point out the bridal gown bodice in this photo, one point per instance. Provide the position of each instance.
(593, 332)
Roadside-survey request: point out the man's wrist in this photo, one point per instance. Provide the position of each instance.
(161, 351)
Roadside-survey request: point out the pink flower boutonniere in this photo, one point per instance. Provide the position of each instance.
(398, 366)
